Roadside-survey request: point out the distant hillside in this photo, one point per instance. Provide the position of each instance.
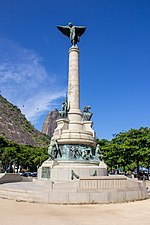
(14, 126)
(50, 123)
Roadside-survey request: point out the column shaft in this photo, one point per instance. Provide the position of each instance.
(74, 85)
(74, 79)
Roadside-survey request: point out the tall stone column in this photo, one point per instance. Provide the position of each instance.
(74, 87)
(75, 137)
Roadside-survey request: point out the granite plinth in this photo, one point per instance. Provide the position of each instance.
(70, 170)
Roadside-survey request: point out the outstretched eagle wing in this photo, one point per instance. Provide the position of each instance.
(65, 30)
(80, 30)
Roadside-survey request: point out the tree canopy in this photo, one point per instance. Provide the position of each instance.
(25, 156)
(127, 150)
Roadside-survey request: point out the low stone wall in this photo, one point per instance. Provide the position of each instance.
(112, 189)
(103, 182)
(10, 177)
(84, 191)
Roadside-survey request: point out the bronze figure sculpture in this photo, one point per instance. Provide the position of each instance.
(73, 32)
(65, 109)
(86, 113)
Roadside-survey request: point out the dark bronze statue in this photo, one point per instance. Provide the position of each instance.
(65, 109)
(73, 32)
(54, 150)
(86, 113)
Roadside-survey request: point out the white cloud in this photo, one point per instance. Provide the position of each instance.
(25, 82)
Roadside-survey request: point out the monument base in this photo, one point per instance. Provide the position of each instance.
(89, 190)
(70, 170)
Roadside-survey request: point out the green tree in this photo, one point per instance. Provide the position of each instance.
(28, 157)
(128, 149)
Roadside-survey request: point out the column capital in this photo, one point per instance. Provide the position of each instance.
(74, 49)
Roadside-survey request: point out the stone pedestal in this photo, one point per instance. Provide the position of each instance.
(65, 171)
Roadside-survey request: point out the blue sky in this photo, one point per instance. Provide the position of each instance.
(114, 59)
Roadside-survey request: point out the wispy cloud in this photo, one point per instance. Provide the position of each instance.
(25, 82)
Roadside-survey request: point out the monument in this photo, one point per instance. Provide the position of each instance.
(75, 171)
(72, 152)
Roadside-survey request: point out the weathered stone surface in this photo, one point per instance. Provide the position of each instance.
(62, 170)
(14, 126)
(72, 192)
(74, 130)
(50, 123)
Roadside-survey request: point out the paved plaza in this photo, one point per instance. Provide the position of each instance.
(23, 213)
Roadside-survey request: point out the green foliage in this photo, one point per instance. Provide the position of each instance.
(26, 156)
(127, 150)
